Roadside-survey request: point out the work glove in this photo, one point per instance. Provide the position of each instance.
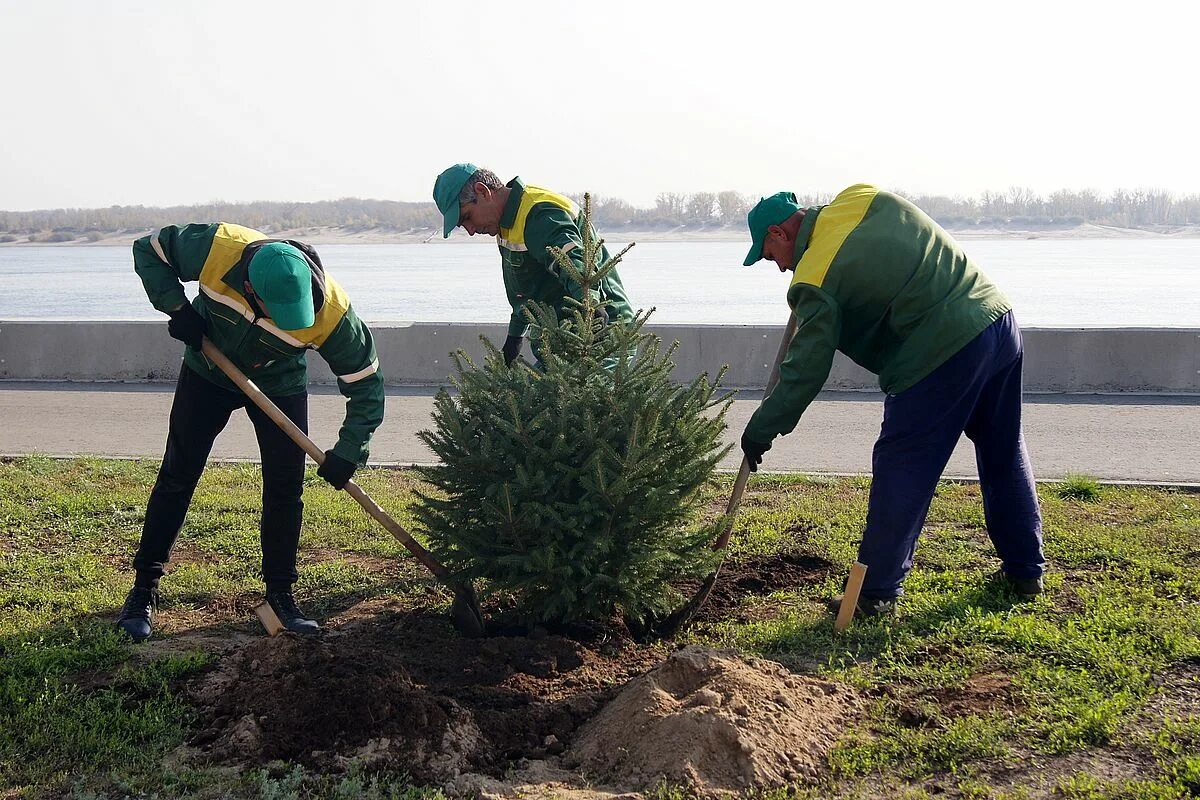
(754, 451)
(512, 348)
(336, 470)
(602, 315)
(187, 326)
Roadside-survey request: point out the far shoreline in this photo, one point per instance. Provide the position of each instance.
(338, 235)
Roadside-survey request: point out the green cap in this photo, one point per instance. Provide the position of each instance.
(281, 278)
(768, 211)
(446, 189)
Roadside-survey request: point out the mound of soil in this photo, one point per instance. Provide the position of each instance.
(716, 722)
(403, 691)
(406, 692)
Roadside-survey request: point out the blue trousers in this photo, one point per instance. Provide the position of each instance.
(977, 392)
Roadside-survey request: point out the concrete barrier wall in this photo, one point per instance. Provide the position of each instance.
(1056, 360)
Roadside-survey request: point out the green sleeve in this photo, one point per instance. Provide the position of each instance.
(551, 226)
(804, 368)
(350, 353)
(170, 256)
(517, 324)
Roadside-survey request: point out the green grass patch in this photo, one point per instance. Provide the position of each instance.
(1079, 487)
(964, 676)
(1079, 663)
(53, 729)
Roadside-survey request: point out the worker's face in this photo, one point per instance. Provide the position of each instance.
(780, 248)
(254, 299)
(482, 215)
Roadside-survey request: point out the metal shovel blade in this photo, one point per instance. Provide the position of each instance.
(464, 612)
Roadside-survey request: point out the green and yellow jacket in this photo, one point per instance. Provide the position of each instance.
(879, 280)
(218, 256)
(534, 219)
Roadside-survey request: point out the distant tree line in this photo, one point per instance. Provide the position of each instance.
(1016, 208)
(351, 213)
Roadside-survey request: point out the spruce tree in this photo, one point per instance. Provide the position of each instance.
(575, 484)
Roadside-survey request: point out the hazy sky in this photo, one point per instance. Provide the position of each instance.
(161, 103)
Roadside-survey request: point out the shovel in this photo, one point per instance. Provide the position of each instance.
(464, 612)
(680, 617)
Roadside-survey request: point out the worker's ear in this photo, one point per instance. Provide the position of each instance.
(777, 231)
(483, 191)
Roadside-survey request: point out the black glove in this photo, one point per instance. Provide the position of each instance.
(336, 470)
(512, 348)
(187, 325)
(754, 451)
(602, 315)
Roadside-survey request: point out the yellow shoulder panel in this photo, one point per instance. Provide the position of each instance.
(336, 304)
(532, 196)
(227, 246)
(836, 221)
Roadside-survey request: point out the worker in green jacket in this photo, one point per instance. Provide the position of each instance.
(526, 220)
(877, 279)
(264, 303)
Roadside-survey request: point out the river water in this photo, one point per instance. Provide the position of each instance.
(1052, 282)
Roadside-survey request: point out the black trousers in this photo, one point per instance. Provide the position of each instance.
(199, 412)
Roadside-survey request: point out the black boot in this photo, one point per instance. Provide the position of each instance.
(137, 614)
(284, 606)
(1023, 588)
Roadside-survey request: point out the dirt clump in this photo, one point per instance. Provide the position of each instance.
(404, 692)
(295, 699)
(716, 722)
(757, 577)
(982, 693)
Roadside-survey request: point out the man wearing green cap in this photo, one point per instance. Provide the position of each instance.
(877, 279)
(525, 220)
(263, 303)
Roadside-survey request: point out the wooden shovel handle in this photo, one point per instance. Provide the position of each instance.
(318, 455)
(735, 499)
(739, 486)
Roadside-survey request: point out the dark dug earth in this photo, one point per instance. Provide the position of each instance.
(403, 692)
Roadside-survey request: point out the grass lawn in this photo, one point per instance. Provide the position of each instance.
(1092, 691)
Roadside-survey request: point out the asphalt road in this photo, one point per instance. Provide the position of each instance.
(1120, 437)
